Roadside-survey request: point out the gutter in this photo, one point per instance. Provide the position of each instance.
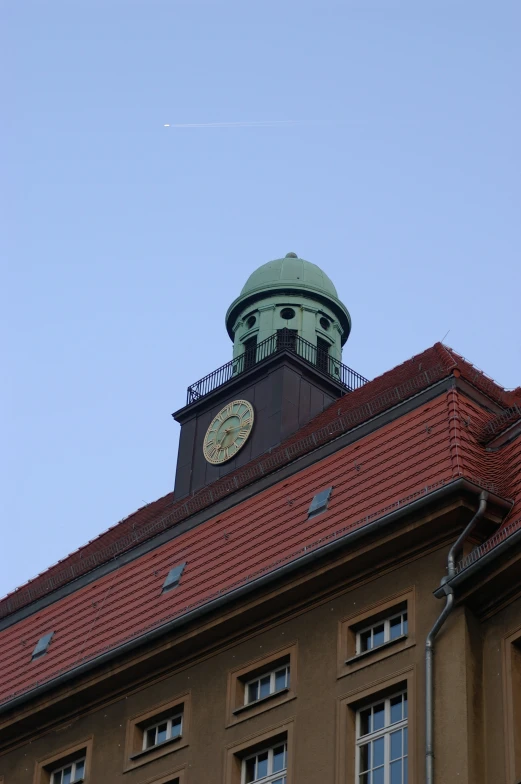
(429, 644)
(479, 564)
(233, 595)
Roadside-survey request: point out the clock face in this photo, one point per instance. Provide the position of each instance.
(228, 432)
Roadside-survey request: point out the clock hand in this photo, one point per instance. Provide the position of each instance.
(227, 432)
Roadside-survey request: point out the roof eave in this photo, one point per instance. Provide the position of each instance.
(481, 563)
(390, 518)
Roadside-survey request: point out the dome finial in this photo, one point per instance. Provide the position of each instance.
(291, 255)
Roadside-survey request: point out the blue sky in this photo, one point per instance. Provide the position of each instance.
(124, 242)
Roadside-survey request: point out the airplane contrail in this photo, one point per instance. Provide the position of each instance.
(240, 124)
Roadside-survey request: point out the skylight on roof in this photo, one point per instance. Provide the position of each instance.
(173, 577)
(42, 645)
(320, 502)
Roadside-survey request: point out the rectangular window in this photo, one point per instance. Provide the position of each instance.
(265, 758)
(170, 778)
(260, 685)
(267, 684)
(162, 731)
(69, 765)
(269, 766)
(391, 628)
(376, 632)
(381, 741)
(68, 774)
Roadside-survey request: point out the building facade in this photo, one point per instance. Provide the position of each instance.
(331, 595)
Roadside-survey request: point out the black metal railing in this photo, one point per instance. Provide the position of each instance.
(282, 340)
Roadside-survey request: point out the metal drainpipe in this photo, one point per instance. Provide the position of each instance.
(429, 644)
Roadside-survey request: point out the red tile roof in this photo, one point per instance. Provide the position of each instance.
(376, 396)
(223, 552)
(504, 468)
(427, 447)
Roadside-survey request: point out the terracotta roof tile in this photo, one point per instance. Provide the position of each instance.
(374, 397)
(272, 527)
(431, 445)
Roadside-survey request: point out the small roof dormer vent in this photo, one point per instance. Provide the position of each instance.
(173, 577)
(320, 502)
(41, 646)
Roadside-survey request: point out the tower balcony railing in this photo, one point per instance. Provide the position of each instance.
(282, 340)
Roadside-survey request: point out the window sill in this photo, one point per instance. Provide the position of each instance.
(262, 701)
(378, 648)
(170, 742)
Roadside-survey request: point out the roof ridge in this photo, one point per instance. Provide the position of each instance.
(480, 379)
(446, 353)
(85, 545)
(498, 424)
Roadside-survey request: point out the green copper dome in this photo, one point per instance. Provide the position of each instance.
(289, 285)
(292, 272)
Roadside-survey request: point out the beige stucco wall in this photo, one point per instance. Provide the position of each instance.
(469, 750)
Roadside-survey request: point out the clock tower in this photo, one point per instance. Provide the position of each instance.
(288, 327)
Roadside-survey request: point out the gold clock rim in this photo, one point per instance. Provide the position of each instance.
(213, 461)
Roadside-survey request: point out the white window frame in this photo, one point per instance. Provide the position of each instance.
(273, 690)
(385, 732)
(386, 622)
(59, 771)
(157, 724)
(272, 776)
